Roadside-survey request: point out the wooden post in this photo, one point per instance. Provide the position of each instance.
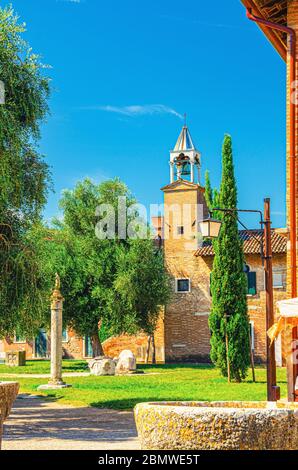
(273, 392)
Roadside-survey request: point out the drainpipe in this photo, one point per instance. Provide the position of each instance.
(292, 52)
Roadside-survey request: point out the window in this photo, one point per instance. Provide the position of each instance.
(182, 285)
(278, 280)
(19, 338)
(64, 335)
(180, 230)
(252, 334)
(251, 280)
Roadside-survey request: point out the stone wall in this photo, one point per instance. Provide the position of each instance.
(74, 347)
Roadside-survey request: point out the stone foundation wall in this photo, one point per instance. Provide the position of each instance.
(217, 426)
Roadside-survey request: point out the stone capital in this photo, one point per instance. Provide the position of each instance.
(56, 297)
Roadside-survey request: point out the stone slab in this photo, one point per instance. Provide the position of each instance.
(53, 387)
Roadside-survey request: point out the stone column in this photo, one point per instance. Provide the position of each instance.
(56, 340)
(172, 174)
(56, 335)
(192, 174)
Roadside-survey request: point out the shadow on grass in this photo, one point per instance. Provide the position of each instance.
(129, 403)
(188, 365)
(75, 367)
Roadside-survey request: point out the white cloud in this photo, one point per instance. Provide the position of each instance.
(69, 1)
(137, 110)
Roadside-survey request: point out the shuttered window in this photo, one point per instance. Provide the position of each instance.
(251, 283)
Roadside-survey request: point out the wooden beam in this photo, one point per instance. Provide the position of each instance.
(272, 35)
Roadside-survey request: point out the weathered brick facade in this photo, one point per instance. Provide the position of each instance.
(183, 332)
(138, 344)
(73, 347)
(187, 334)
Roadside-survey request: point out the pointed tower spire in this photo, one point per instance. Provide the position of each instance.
(184, 142)
(184, 158)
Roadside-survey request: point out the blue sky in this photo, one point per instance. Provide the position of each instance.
(164, 58)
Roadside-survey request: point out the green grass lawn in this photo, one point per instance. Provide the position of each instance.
(161, 382)
(43, 367)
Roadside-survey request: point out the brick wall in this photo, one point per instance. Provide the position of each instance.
(186, 318)
(257, 303)
(138, 344)
(8, 344)
(187, 335)
(72, 349)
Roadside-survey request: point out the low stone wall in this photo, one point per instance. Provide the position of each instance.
(8, 394)
(217, 426)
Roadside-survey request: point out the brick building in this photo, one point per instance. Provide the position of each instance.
(279, 22)
(183, 333)
(186, 328)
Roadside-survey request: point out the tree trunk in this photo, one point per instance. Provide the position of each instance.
(97, 349)
(153, 350)
(227, 350)
(148, 350)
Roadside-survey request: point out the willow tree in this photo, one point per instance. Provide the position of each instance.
(24, 176)
(229, 323)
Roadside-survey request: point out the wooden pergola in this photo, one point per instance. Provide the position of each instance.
(279, 22)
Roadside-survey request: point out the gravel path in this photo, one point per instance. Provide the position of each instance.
(38, 424)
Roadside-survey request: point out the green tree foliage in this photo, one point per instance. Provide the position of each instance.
(119, 283)
(141, 285)
(208, 191)
(24, 176)
(229, 320)
(212, 196)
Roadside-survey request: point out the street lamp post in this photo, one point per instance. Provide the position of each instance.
(273, 391)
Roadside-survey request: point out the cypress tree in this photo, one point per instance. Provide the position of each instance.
(228, 320)
(208, 191)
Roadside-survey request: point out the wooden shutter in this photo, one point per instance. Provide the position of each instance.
(252, 283)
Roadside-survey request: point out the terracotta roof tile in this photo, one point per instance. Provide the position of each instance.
(250, 244)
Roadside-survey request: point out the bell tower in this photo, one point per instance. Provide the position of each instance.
(185, 159)
(184, 207)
